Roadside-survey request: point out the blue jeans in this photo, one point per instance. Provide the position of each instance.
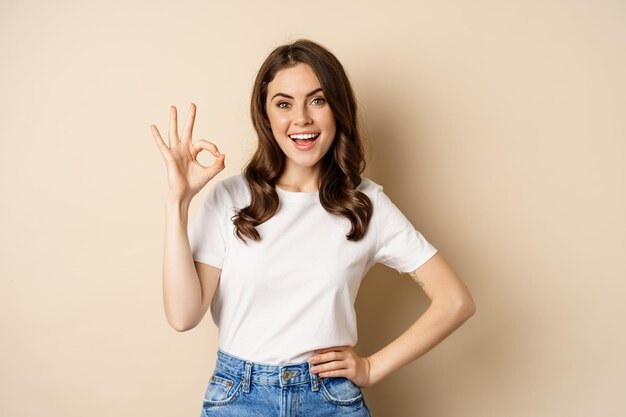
(241, 388)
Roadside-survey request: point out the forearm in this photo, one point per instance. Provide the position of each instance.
(434, 325)
(182, 293)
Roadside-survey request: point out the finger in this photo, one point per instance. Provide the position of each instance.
(218, 165)
(159, 141)
(333, 372)
(324, 368)
(329, 357)
(331, 348)
(189, 125)
(173, 135)
(205, 144)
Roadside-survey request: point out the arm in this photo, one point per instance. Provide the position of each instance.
(451, 305)
(187, 292)
(188, 287)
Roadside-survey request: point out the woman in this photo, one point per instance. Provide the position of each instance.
(279, 251)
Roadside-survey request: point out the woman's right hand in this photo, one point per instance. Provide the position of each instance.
(185, 174)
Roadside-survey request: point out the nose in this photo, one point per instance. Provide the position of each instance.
(302, 116)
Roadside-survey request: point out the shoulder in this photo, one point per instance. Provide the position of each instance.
(231, 190)
(380, 200)
(370, 188)
(233, 184)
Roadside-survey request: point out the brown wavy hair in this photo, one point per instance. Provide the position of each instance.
(341, 165)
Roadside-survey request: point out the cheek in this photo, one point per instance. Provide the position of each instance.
(329, 117)
(277, 122)
(332, 126)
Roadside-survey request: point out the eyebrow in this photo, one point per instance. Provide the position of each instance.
(317, 90)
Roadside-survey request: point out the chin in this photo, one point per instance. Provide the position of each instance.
(307, 163)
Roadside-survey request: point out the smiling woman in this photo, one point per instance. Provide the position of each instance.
(302, 88)
(304, 127)
(278, 252)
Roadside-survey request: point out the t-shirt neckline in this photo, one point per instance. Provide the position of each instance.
(296, 195)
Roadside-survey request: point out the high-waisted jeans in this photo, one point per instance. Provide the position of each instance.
(241, 388)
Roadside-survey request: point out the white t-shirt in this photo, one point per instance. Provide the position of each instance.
(281, 298)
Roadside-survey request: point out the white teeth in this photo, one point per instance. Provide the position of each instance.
(307, 136)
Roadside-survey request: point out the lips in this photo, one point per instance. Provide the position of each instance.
(305, 144)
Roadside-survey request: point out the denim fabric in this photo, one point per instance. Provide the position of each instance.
(241, 388)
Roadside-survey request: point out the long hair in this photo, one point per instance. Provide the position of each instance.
(341, 165)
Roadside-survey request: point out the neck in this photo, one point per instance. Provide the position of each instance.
(300, 179)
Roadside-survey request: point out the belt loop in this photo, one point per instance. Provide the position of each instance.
(247, 377)
(315, 379)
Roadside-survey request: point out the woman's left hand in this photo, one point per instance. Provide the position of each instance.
(342, 361)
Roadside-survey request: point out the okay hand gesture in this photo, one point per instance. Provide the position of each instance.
(185, 174)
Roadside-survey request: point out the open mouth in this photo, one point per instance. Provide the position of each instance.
(304, 139)
(304, 142)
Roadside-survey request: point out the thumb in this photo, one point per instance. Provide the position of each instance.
(217, 166)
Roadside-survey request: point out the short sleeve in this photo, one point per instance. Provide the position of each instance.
(206, 232)
(398, 245)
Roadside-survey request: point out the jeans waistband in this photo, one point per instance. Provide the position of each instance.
(265, 373)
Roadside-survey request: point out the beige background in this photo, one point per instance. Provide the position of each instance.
(497, 127)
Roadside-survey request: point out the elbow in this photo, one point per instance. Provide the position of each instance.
(461, 308)
(181, 320)
(469, 308)
(465, 307)
(180, 326)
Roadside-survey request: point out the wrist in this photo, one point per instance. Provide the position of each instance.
(177, 201)
(372, 370)
(177, 208)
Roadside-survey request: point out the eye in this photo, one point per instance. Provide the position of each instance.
(279, 104)
(319, 98)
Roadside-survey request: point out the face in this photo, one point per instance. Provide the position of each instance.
(296, 104)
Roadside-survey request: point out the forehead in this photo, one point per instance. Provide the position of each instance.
(297, 80)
